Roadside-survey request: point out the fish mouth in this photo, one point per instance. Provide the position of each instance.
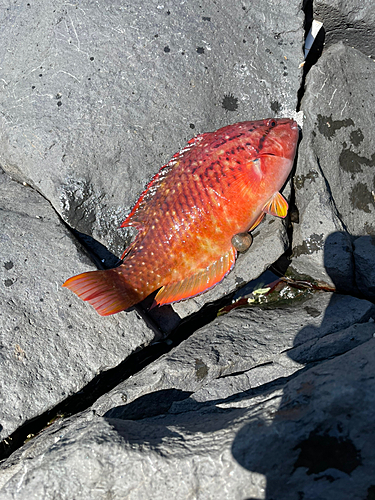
(296, 127)
(284, 140)
(283, 121)
(283, 156)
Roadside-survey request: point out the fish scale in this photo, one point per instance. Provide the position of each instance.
(221, 184)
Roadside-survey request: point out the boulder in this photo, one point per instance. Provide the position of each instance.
(110, 92)
(97, 98)
(334, 181)
(51, 345)
(293, 423)
(251, 340)
(272, 401)
(349, 21)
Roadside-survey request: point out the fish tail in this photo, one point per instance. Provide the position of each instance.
(107, 291)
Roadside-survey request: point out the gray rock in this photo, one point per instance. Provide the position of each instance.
(237, 342)
(306, 438)
(97, 98)
(316, 445)
(274, 372)
(349, 21)
(364, 258)
(334, 178)
(51, 344)
(239, 408)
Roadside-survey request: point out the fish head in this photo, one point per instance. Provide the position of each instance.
(265, 147)
(250, 140)
(271, 146)
(273, 136)
(277, 137)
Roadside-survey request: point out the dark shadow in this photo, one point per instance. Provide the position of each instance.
(164, 320)
(315, 51)
(109, 379)
(326, 452)
(149, 405)
(98, 253)
(342, 26)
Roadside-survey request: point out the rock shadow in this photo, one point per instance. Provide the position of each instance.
(309, 446)
(305, 449)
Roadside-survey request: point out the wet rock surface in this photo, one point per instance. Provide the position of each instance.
(264, 402)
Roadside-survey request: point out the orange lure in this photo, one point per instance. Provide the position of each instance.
(221, 184)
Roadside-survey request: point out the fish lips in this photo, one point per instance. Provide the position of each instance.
(282, 140)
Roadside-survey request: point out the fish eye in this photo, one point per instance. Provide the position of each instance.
(272, 123)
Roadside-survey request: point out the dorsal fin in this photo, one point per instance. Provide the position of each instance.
(141, 234)
(139, 211)
(197, 283)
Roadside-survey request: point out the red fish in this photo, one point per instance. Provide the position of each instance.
(221, 184)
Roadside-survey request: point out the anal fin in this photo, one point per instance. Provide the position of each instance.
(197, 283)
(257, 222)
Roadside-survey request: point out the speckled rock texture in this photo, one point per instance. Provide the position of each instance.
(50, 347)
(334, 181)
(105, 94)
(349, 21)
(291, 423)
(266, 402)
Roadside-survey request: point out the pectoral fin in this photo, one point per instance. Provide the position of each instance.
(277, 206)
(198, 282)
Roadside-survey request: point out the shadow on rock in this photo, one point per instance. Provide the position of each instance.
(164, 319)
(149, 405)
(306, 433)
(314, 447)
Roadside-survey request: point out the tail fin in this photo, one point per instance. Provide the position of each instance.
(107, 291)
